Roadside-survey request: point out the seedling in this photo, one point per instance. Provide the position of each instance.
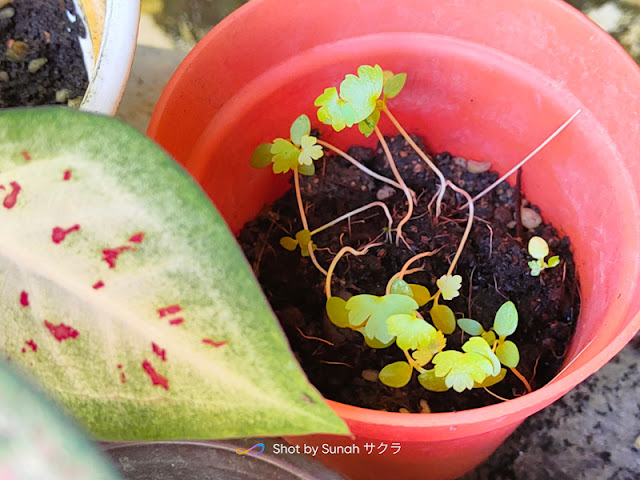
(395, 317)
(539, 249)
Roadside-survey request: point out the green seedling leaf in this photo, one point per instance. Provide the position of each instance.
(506, 320)
(136, 309)
(262, 156)
(430, 381)
(289, 243)
(490, 381)
(508, 354)
(410, 331)
(420, 294)
(285, 155)
(462, 370)
(443, 318)
(299, 128)
(368, 125)
(394, 85)
(449, 286)
(553, 261)
(374, 343)
(362, 91)
(538, 248)
(337, 312)
(307, 170)
(489, 337)
(536, 267)
(38, 441)
(371, 312)
(303, 237)
(310, 151)
(470, 326)
(400, 287)
(335, 111)
(396, 374)
(478, 345)
(425, 353)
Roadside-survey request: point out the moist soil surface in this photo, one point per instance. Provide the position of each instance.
(32, 31)
(493, 266)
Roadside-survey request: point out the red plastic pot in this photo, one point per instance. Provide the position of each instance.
(486, 80)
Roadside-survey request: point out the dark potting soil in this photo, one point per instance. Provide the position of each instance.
(32, 31)
(493, 267)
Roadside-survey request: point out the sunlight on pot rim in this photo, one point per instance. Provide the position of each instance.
(113, 25)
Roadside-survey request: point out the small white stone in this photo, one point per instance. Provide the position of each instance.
(607, 16)
(530, 218)
(385, 192)
(477, 167)
(461, 162)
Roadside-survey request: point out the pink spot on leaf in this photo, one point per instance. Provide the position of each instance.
(170, 310)
(123, 378)
(119, 366)
(61, 332)
(156, 378)
(59, 234)
(161, 352)
(12, 197)
(176, 321)
(213, 343)
(137, 238)
(24, 299)
(32, 344)
(98, 285)
(67, 175)
(25, 155)
(24, 350)
(110, 255)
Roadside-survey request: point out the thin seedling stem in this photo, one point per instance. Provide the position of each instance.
(411, 361)
(355, 212)
(424, 156)
(405, 189)
(526, 159)
(522, 379)
(405, 268)
(357, 164)
(303, 218)
(334, 262)
(467, 230)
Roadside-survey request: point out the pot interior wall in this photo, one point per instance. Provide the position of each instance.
(475, 102)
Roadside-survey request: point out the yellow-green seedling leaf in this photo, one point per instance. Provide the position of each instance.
(289, 243)
(394, 85)
(262, 156)
(506, 320)
(38, 441)
(422, 357)
(371, 312)
(303, 237)
(425, 353)
(490, 381)
(420, 294)
(478, 345)
(443, 318)
(449, 286)
(508, 354)
(310, 151)
(489, 337)
(285, 155)
(401, 287)
(362, 91)
(374, 343)
(307, 170)
(461, 370)
(396, 374)
(368, 125)
(538, 248)
(337, 312)
(430, 381)
(470, 326)
(335, 111)
(536, 267)
(411, 332)
(553, 261)
(134, 305)
(299, 128)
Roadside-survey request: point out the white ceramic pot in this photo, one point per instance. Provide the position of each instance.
(108, 49)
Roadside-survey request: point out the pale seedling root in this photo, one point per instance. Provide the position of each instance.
(336, 259)
(355, 212)
(405, 268)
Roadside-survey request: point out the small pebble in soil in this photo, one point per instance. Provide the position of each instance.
(478, 167)
(530, 218)
(4, 76)
(7, 13)
(370, 375)
(36, 64)
(385, 192)
(17, 51)
(62, 95)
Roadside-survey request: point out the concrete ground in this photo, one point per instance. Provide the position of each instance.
(593, 432)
